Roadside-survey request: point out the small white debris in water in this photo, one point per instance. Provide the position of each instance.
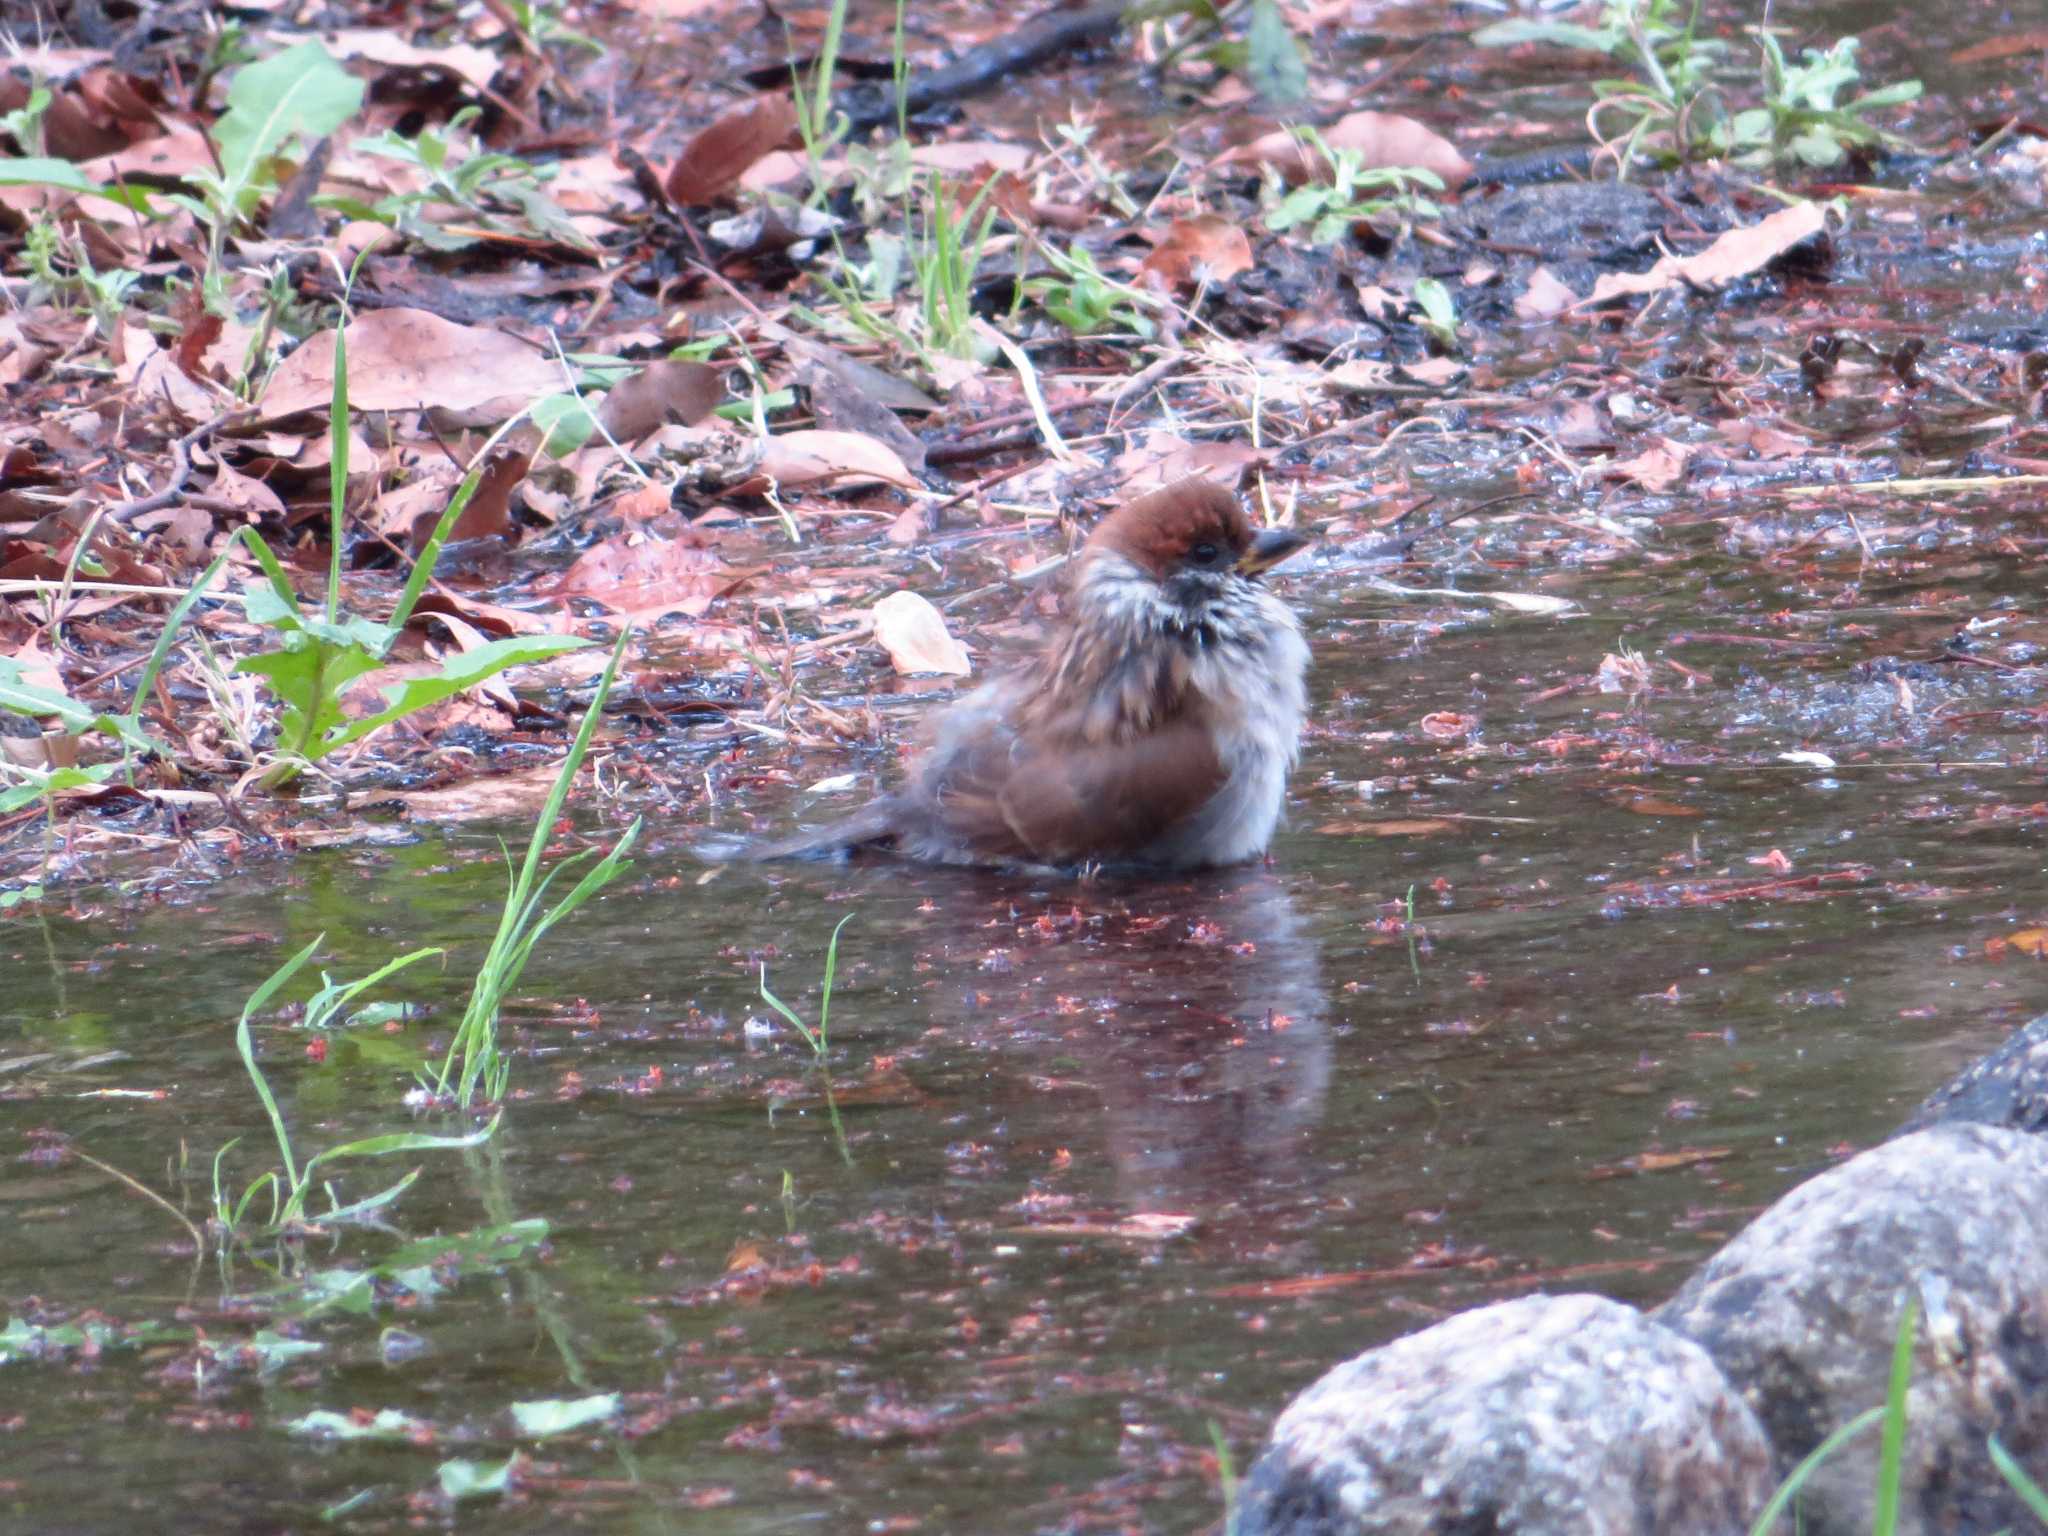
(757, 1030)
(838, 785)
(1809, 759)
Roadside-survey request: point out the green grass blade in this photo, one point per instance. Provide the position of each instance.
(245, 1045)
(2029, 1491)
(1796, 1478)
(1891, 1455)
(831, 970)
(337, 464)
(474, 1047)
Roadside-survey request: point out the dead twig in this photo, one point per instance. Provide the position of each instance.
(181, 449)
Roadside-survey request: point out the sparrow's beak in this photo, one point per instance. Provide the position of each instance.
(1269, 547)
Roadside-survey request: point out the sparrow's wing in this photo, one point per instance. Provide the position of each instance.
(1097, 801)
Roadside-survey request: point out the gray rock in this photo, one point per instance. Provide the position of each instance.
(1549, 1414)
(2008, 1087)
(1801, 1310)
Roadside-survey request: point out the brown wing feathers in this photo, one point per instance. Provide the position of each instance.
(1111, 800)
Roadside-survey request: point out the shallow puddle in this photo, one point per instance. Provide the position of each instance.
(1118, 1165)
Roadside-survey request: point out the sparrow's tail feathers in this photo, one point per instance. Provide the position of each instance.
(864, 828)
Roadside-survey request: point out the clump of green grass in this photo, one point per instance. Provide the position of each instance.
(474, 1059)
(292, 1186)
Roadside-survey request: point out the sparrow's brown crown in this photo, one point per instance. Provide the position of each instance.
(1191, 524)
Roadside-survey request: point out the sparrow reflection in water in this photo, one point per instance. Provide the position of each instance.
(1154, 729)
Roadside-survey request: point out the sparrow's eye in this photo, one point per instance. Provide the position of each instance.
(1204, 554)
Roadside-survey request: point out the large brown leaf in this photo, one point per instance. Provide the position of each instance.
(724, 149)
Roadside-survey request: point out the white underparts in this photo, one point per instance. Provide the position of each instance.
(1248, 664)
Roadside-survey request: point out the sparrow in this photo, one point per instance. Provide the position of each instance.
(1154, 729)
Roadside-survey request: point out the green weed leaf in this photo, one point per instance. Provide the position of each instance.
(562, 1416)
(67, 177)
(462, 1479)
(457, 673)
(1273, 64)
(299, 91)
(565, 420)
(389, 1424)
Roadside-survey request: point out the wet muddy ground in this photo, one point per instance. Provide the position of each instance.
(1592, 932)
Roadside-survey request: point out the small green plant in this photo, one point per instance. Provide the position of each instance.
(817, 123)
(1085, 300)
(2031, 1493)
(474, 1060)
(1673, 68)
(1353, 193)
(299, 93)
(1268, 56)
(63, 271)
(1805, 116)
(460, 175)
(543, 25)
(946, 258)
(941, 261)
(321, 658)
(24, 783)
(1226, 1477)
(881, 177)
(1075, 137)
(25, 123)
(1670, 109)
(819, 1039)
(1439, 313)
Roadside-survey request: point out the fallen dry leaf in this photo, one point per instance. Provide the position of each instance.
(1160, 458)
(489, 512)
(1205, 249)
(837, 459)
(965, 156)
(1659, 468)
(245, 494)
(1735, 254)
(676, 389)
(1766, 442)
(1653, 805)
(2031, 40)
(914, 634)
(491, 618)
(1544, 297)
(380, 45)
(409, 359)
(157, 382)
(506, 796)
(647, 576)
(1424, 826)
(1660, 1162)
(724, 149)
(1384, 140)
